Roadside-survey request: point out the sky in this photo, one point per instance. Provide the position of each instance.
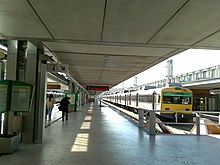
(184, 62)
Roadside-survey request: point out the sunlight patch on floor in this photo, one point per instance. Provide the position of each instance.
(81, 143)
(85, 125)
(90, 108)
(88, 118)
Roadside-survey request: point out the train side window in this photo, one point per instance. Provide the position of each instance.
(159, 99)
(137, 99)
(130, 99)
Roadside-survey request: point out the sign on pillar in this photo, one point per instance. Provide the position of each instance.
(54, 68)
(63, 68)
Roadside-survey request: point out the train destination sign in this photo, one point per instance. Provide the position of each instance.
(97, 88)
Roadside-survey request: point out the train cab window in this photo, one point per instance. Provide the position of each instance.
(168, 100)
(186, 100)
(177, 97)
(177, 100)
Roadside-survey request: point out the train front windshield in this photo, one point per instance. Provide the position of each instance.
(177, 98)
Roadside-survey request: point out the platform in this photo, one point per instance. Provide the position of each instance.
(100, 136)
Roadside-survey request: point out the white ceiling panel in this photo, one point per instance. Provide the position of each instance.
(194, 22)
(211, 42)
(137, 21)
(18, 19)
(72, 19)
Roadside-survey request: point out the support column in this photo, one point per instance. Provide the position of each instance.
(2, 70)
(12, 60)
(78, 103)
(80, 97)
(11, 74)
(42, 92)
(31, 74)
(2, 73)
(74, 87)
(21, 60)
(34, 121)
(83, 98)
(217, 105)
(71, 87)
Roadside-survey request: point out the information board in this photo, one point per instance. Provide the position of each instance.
(22, 94)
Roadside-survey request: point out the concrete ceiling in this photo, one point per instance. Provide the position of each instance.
(108, 41)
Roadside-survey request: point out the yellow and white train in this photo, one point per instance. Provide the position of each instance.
(150, 98)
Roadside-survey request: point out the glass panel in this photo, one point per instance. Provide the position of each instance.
(176, 100)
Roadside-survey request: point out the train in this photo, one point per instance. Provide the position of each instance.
(57, 94)
(164, 99)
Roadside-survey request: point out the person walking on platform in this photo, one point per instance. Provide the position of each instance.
(64, 107)
(50, 105)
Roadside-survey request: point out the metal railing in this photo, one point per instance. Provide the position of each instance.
(211, 73)
(141, 118)
(197, 114)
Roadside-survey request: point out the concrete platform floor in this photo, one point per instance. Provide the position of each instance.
(100, 136)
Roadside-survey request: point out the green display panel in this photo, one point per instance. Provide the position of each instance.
(21, 96)
(72, 97)
(73, 100)
(3, 95)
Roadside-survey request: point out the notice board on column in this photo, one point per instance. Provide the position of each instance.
(22, 95)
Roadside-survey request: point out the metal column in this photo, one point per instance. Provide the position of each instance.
(11, 74)
(34, 125)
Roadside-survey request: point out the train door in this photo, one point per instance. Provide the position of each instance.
(156, 101)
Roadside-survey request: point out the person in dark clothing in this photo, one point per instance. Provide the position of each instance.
(64, 107)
